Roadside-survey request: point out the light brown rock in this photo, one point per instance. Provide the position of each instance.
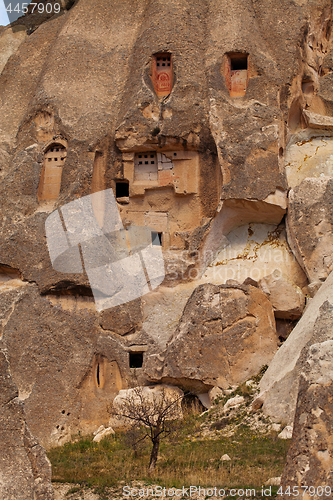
(10, 40)
(309, 226)
(279, 385)
(287, 299)
(310, 456)
(103, 433)
(24, 467)
(63, 353)
(286, 433)
(226, 334)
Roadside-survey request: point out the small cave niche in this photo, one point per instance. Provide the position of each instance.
(284, 327)
(156, 238)
(136, 359)
(122, 191)
(99, 371)
(236, 73)
(307, 87)
(50, 179)
(295, 116)
(192, 404)
(145, 166)
(162, 73)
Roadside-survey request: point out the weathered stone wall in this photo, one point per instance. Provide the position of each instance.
(25, 469)
(309, 460)
(83, 80)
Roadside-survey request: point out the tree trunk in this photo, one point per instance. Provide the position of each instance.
(154, 454)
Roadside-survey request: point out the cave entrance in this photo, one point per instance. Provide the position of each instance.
(236, 73)
(122, 191)
(136, 359)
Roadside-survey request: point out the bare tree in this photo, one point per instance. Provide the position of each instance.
(154, 411)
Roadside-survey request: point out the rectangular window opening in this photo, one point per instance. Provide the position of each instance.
(156, 238)
(136, 359)
(162, 74)
(238, 62)
(145, 170)
(236, 73)
(122, 189)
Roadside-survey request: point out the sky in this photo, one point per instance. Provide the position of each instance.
(3, 14)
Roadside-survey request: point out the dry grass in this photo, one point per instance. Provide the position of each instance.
(184, 460)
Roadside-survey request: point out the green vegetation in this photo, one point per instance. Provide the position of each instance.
(184, 460)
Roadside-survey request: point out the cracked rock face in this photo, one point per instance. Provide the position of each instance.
(24, 468)
(216, 163)
(280, 384)
(310, 456)
(287, 299)
(226, 334)
(65, 367)
(309, 226)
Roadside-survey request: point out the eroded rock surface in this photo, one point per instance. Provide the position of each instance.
(226, 334)
(279, 385)
(309, 226)
(287, 299)
(64, 353)
(24, 468)
(310, 456)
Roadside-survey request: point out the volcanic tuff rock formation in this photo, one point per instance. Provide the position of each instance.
(66, 367)
(287, 299)
(200, 124)
(25, 469)
(279, 385)
(224, 336)
(309, 226)
(310, 456)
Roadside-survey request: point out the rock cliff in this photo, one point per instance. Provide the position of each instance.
(211, 122)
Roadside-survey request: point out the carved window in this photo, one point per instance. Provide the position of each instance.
(145, 166)
(136, 359)
(99, 371)
(162, 74)
(50, 181)
(122, 189)
(236, 73)
(156, 238)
